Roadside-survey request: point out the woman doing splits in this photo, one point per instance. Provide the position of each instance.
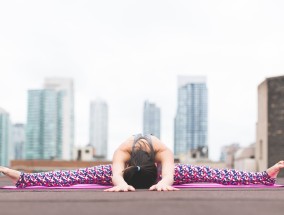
(142, 161)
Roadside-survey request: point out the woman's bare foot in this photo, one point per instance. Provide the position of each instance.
(274, 170)
(14, 175)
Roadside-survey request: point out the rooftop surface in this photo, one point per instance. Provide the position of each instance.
(197, 201)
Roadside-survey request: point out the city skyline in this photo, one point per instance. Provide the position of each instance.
(89, 133)
(130, 51)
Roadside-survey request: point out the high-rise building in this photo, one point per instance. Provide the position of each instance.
(18, 138)
(65, 96)
(151, 119)
(191, 119)
(99, 127)
(270, 123)
(42, 125)
(5, 138)
(50, 123)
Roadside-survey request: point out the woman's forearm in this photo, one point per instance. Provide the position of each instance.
(118, 165)
(167, 180)
(118, 180)
(168, 173)
(168, 167)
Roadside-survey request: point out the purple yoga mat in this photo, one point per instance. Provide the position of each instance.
(193, 185)
(213, 185)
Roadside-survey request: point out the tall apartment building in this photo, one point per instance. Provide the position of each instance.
(50, 121)
(191, 121)
(5, 138)
(270, 123)
(65, 90)
(151, 119)
(99, 127)
(42, 122)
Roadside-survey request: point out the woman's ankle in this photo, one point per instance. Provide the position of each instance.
(14, 175)
(275, 169)
(4, 170)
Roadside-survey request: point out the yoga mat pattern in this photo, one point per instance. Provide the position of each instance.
(192, 185)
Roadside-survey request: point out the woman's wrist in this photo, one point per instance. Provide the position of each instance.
(167, 180)
(118, 180)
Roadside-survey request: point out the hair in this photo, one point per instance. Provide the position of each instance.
(141, 172)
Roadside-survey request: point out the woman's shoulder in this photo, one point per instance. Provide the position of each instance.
(158, 145)
(126, 145)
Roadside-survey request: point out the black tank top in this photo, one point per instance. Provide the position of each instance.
(146, 137)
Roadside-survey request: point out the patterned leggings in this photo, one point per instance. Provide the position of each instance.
(183, 174)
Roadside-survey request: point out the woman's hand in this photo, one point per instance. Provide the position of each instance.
(162, 186)
(121, 188)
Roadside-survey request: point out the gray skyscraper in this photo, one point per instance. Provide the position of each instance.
(50, 123)
(65, 101)
(18, 138)
(270, 123)
(151, 119)
(99, 127)
(5, 138)
(42, 125)
(191, 118)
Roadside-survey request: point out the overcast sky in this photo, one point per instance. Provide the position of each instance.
(128, 51)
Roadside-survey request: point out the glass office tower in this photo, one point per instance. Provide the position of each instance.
(18, 138)
(151, 119)
(42, 125)
(191, 121)
(50, 121)
(5, 138)
(99, 127)
(65, 108)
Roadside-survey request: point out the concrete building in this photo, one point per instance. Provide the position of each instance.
(270, 123)
(50, 165)
(99, 127)
(65, 92)
(6, 152)
(151, 119)
(228, 154)
(86, 153)
(18, 138)
(191, 121)
(245, 159)
(199, 161)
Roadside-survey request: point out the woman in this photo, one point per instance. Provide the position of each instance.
(142, 162)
